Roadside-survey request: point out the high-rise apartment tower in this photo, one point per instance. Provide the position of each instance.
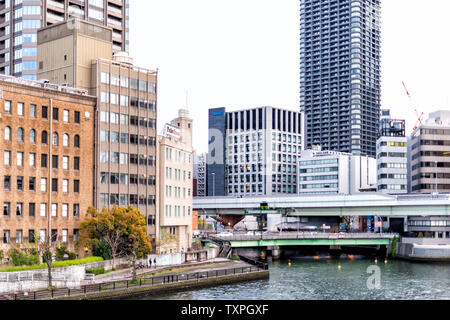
(20, 20)
(340, 74)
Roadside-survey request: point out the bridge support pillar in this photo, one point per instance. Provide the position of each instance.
(276, 253)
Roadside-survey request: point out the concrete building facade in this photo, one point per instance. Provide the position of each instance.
(260, 148)
(47, 151)
(430, 155)
(392, 158)
(20, 20)
(175, 193)
(322, 172)
(125, 149)
(340, 74)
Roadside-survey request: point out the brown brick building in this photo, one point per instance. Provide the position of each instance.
(47, 161)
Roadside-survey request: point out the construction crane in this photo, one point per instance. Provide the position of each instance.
(419, 118)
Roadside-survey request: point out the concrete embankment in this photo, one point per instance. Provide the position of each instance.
(424, 250)
(141, 291)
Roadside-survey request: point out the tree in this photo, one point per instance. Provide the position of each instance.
(123, 229)
(165, 239)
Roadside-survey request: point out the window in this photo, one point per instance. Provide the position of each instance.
(20, 183)
(76, 210)
(5, 236)
(31, 209)
(8, 133)
(54, 210)
(64, 235)
(31, 236)
(77, 117)
(55, 162)
(7, 107)
(55, 138)
(43, 184)
(19, 209)
(76, 141)
(43, 211)
(32, 184)
(66, 116)
(7, 182)
(32, 160)
(66, 163)
(76, 186)
(65, 140)
(6, 208)
(54, 235)
(20, 134)
(44, 112)
(32, 111)
(44, 137)
(43, 161)
(55, 114)
(33, 136)
(65, 186)
(54, 185)
(65, 210)
(42, 235)
(7, 158)
(19, 160)
(76, 163)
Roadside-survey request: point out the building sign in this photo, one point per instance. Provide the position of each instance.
(172, 131)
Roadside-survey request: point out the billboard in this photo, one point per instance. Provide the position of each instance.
(172, 131)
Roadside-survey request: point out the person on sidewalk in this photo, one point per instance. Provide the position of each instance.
(154, 262)
(150, 262)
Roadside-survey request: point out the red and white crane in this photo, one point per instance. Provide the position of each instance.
(419, 118)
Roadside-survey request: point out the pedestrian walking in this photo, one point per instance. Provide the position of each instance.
(154, 262)
(150, 262)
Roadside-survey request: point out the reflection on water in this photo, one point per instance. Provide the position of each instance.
(325, 278)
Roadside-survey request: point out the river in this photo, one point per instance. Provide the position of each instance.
(323, 278)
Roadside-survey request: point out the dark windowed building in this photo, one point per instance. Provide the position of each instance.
(340, 74)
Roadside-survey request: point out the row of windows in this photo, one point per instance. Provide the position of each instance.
(177, 174)
(125, 158)
(245, 168)
(245, 178)
(178, 156)
(44, 112)
(319, 162)
(392, 187)
(125, 138)
(127, 82)
(20, 207)
(125, 101)
(319, 186)
(318, 178)
(32, 157)
(429, 223)
(127, 179)
(32, 237)
(176, 211)
(177, 192)
(44, 137)
(124, 119)
(126, 199)
(20, 181)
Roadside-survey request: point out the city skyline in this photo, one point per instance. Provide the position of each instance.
(212, 63)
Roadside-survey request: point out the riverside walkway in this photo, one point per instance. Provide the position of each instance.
(118, 285)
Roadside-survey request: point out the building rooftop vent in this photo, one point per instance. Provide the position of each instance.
(183, 113)
(123, 57)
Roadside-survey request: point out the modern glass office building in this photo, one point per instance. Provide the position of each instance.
(340, 74)
(20, 19)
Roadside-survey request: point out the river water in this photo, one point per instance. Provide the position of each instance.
(347, 278)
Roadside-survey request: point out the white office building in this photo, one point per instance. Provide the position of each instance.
(333, 172)
(200, 175)
(392, 160)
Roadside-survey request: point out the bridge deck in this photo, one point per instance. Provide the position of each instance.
(308, 239)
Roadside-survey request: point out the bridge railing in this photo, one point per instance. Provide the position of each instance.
(308, 235)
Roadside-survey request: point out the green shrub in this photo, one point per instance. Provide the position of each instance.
(61, 252)
(96, 271)
(23, 258)
(103, 250)
(72, 256)
(57, 264)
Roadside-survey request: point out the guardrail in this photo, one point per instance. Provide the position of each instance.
(307, 235)
(126, 284)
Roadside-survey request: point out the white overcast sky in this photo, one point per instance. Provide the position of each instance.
(245, 54)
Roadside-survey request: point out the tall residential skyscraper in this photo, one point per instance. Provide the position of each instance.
(19, 21)
(340, 74)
